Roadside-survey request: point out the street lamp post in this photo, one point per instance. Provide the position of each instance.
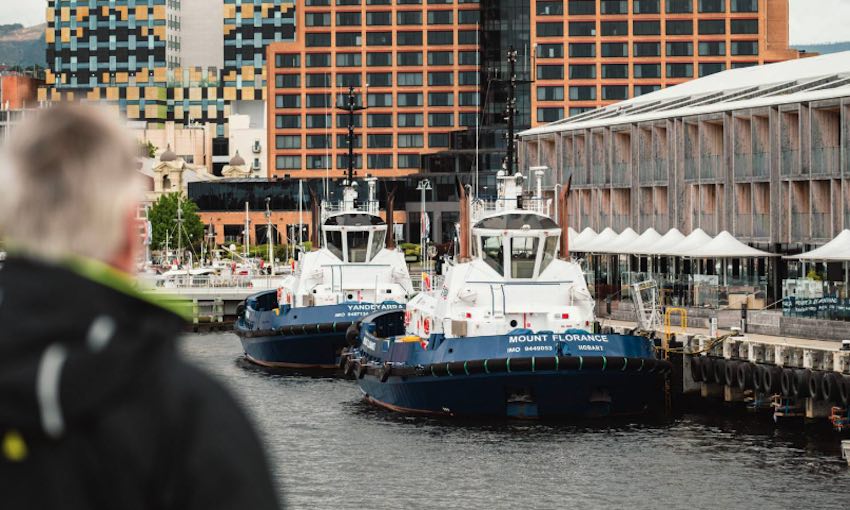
(270, 233)
(424, 186)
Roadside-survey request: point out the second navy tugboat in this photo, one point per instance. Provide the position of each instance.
(509, 332)
(308, 321)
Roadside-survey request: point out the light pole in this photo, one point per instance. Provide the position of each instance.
(424, 186)
(269, 227)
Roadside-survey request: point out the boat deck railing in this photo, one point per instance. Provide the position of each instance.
(538, 205)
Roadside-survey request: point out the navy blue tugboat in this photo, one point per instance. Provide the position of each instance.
(307, 322)
(509, 331)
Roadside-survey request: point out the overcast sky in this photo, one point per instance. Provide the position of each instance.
(812, 21)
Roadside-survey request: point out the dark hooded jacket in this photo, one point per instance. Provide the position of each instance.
(98, 411)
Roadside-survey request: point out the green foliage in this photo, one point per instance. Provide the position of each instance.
(147, 149)
(814, 275)
(163, 218)
(411, 250)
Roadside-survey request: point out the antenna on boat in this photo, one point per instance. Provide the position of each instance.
(509, 162)
(351, 107)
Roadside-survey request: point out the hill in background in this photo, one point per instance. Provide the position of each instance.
(823, 48)
(23, 46)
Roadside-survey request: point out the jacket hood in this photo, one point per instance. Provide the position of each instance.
(72, 339)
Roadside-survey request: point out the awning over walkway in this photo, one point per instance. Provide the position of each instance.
(615, 245)
(583, 239)
(837, 250)
(602, 240)
(694, 240)
(667, 241)
(645, 241)
(725, 246)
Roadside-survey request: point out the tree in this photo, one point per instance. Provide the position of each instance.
(163, 218)
(147, 150)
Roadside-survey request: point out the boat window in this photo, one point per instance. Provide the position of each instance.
(523, 256)
(333, 241)
(358, 243)
(549, 250)
(378, 237)
(491, 247)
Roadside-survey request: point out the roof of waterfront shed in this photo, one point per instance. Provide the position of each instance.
(807, 79)
(836, 250)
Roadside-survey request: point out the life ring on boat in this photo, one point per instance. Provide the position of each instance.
(426, 326)
(407, 317)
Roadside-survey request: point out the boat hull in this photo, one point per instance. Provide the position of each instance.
(306, 337)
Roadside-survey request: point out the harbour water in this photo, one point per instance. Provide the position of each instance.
(331, 450)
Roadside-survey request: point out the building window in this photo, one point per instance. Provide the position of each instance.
(615, 49)
(581, 7)
(380, 161)
(440, 58)
(287, 101)
(348, 2)
(550, 29)
(711, 68)
(379, 120)
(582, 50)
(379, 38)
(317, 162)
(680, 27)
(410, 141)
(317, 19)
(550, 72)
(550, 50)
(348, 60)
(468, 17)
(582, 93)
(467, 98)
(745, 6)
(379, 60)
(647, 70)
(342, 161)
(288, 162)
(322, 80)
(287, 141)
(318, 59)
(379, 79)
(549, 114)
(615, 92)
(406, 120)
(467, 37)
(409, 98)
(342, 100)
(287, 121)
(646, 89)
(615, 71)
(467, 58)
(712, 5)
(348, 39)
(318, 121)
(712, 48)
(468, 78)
(408, 38)
(680, 70)
(550, 93)
(409, 79)
(382, 141)
(745, 26)
(379, 18)
(745, 48)
(342, 121)
(440, 119)
(440, 99)
(440, 18)
(409, 161)
(741, 65)
(680, 6)
(380, 100)
(646, 28)
(348, 19)
(680, 49)
(407, 59)
(440, 37)
(342, 141)
(318, 142)
(438, 140)
(646, 7)
(549, 8)
(615, 7)
(582, 28)
(287, 60)
(348, 80)
(287, 81)
(615, 28)
(582, 72)
(712, 26)
(314, 40)
(647, 49)
(440, 78)
(409, 18)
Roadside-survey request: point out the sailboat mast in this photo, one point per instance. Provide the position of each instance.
(510, 156)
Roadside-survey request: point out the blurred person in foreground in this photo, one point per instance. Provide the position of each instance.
(97, 410)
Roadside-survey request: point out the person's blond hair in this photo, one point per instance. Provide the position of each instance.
(67, 181)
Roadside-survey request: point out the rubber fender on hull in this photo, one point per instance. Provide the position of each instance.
(731, 373)
(844, 390)
(758, 378)
(349, 366)
(535, 364)
(360, 370)
(385, 372)
(707, 369)
(745, 375)
(720, 370)
(352, 334)
(771, 381)
(787, 382)
(800, 383)
(830, 387)
(696, 368)
(815, 385)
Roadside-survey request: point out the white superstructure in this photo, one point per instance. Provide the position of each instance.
(514, 278)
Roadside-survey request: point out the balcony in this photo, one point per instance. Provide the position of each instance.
(790, 163)
(743, 167)
(621, 173)
(710, 167)
(826, 161)
(598, 174)
(761, 165)
(761, 225)
(799, 225)
(690, 169)
(821, 225)
(653, 171)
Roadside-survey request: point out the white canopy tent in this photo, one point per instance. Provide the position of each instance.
(645, 241)
(571, 235)
(724, 246)
(693, 241)
(837, 250)
(602, 240)
(587, 236)
(624, 238)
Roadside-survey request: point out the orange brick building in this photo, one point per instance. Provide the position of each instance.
(429, 64)
(18, 91)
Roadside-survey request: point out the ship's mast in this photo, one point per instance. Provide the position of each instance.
(509, 162)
